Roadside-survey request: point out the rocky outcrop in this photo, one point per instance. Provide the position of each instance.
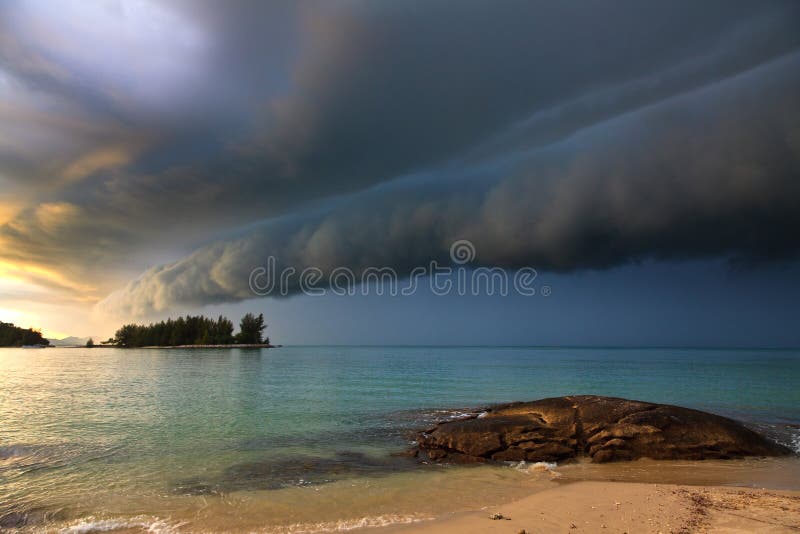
(603, 429)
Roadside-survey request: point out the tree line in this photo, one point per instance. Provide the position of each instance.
(14, 336)
(191, 330)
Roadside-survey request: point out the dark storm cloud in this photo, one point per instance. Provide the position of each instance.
(710, 173)
(395, 87)
(229, 113)
(382, 90)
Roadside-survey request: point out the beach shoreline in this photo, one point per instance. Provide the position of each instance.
(747, 495)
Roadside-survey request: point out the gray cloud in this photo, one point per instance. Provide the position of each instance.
(391, 89)
(709, 173)
(159, 142)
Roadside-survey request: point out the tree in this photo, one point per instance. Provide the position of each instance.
(125, 336)
(222, 331)
(90, 343)
(190, 330)
(251, 329)
(13, 336)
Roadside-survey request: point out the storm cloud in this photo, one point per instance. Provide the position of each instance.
(710, 173)
(201, 137)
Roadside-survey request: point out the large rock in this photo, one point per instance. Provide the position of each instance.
(602, 429)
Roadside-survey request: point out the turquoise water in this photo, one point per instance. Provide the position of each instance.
(104, 432)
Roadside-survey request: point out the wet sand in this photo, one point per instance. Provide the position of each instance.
(618, 507)
(750, 495)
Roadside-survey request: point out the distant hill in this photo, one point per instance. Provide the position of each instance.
(70, 341)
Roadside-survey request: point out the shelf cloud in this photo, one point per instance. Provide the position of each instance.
(709, 173)
(162, 149)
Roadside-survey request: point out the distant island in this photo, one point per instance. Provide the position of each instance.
(14, 336)
(70, 341)
(192, 331)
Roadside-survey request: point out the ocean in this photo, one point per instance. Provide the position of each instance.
(301, 439)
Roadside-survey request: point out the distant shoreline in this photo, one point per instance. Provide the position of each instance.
(229, 346)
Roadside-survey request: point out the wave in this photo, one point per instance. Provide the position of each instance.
(345, 525)
(534, 467)
(786, 434)
(91, 524)
(417, 417)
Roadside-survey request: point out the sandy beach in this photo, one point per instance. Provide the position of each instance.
(620, 507)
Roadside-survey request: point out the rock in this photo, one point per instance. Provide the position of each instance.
(603, 429)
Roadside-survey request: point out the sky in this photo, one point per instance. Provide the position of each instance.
(641, 157)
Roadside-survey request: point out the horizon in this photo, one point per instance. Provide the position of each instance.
(498, 346)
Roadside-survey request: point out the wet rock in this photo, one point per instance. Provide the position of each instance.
(604, 429)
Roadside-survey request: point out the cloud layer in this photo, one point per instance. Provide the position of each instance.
(709, 173)
(563, 135)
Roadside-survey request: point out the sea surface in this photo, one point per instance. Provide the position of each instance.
(300, 439)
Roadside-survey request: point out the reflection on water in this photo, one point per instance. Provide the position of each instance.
(236, 440)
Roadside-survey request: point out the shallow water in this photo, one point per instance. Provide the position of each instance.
(299, 438)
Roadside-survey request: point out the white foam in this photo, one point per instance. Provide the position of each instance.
(454, 415)
(457, 416)
(345, 525)
(534, 467)
(795, 441)
(542, 466)
(93, 524)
